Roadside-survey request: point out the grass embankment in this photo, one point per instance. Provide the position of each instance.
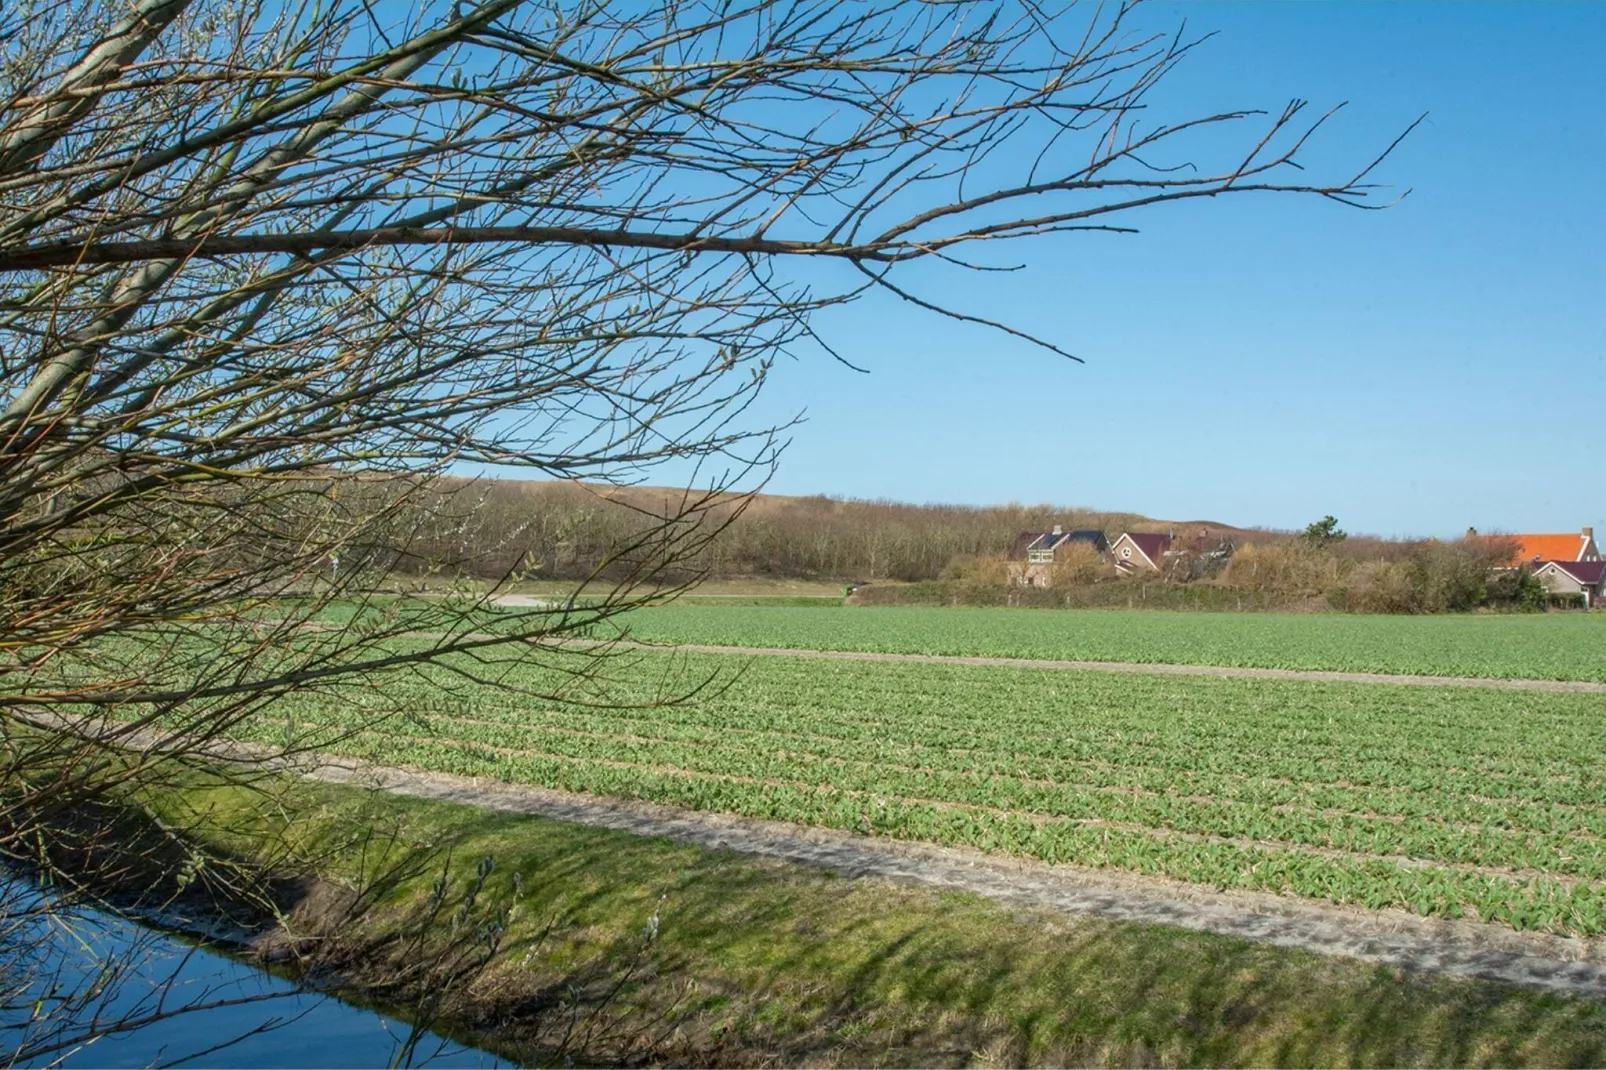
(762, 962)
(1537, 646)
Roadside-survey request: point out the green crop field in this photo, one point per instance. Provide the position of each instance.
(1555, 646)
(1441, 801)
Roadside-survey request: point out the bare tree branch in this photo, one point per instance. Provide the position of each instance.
(273, 277)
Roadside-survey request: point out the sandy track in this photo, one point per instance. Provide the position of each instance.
(1315, 675)
(1397, 938)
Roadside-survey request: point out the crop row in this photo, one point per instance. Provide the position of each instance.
(1524, 902)
(1357, 834)
(809, 740)
(1435, 800)
(1502, 746)
(1539, 646)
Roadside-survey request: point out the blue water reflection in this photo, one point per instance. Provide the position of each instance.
(183, 1005)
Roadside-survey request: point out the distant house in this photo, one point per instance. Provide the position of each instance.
(1586, 578)
(1137, 550)
(1565, 564)
(1037, 547)
(1537, 549)
(1200, 555)
(1032, 554)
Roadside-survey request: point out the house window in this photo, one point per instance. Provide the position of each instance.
(1040, 557)
(1126, 551)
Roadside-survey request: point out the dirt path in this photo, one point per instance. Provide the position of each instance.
(1393, 937)
(1581, 686)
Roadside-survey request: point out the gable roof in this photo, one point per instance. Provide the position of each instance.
(1091, 536)
(1048, 540)
(1152, 545)
(1588, 573)
(1572, 546)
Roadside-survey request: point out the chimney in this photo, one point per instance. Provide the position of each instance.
(1058, 530)
(1589, 533)
(1472, 533)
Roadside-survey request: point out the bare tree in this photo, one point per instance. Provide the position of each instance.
(267, 270)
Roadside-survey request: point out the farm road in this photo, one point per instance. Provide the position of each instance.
(1320, 676)
(1396, 938)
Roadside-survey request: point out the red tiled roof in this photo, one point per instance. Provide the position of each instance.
(1569, 547)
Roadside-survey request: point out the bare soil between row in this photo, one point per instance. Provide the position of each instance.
(1154, 668)
(1392, 937)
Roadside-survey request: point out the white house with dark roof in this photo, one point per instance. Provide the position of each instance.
(1032, 554)
(1586, 578)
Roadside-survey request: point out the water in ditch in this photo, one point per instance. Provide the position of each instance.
(89, 989)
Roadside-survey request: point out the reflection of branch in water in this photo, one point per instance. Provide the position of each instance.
(77, 976)
(82, 979)
(269, 288)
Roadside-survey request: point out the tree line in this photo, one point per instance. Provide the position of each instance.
(491, 528)
(1317, 570)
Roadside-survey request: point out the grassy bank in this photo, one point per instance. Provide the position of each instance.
(761, 962)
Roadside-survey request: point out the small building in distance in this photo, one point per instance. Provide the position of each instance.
(1536, 549)
(1584, 578)
(1031, 556)
(1140, 550)
(1567, 564)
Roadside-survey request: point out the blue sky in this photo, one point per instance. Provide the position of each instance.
(1414, 371)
